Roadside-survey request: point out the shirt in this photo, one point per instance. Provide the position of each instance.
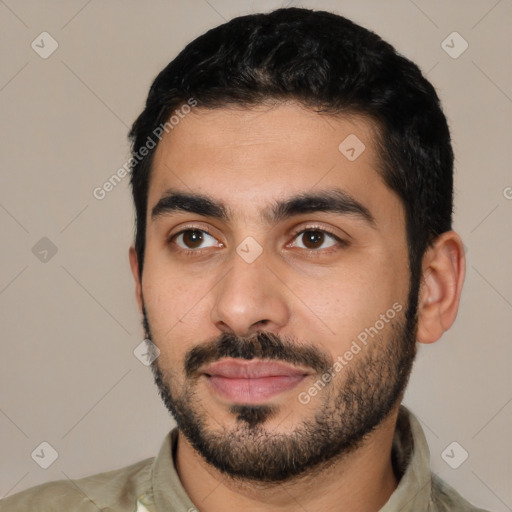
(153, 485)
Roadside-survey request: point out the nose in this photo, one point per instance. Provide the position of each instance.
(250, 298)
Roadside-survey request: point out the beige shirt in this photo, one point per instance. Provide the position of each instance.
(152, 485)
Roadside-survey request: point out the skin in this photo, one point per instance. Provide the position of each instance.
(247, 158)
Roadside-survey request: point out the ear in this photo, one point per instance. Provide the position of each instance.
(444, 268)
(134, 264)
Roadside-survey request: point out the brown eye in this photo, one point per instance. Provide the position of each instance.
(193, 239)
(313, 239)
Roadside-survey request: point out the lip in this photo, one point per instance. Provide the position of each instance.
(252, 381)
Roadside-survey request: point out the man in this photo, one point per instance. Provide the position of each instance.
(292, 177)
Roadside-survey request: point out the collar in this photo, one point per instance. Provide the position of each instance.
(411, 460)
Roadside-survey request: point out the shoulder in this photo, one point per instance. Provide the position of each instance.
(112, 490)
(446, 499)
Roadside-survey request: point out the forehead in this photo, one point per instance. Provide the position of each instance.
(249, 158)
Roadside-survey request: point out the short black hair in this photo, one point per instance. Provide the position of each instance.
(326, 63)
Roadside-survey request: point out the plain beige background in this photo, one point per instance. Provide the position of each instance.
(68, 374)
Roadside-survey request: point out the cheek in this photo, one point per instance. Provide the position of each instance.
(354, 298)
(174, 303)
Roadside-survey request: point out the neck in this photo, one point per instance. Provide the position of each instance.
(361, 481)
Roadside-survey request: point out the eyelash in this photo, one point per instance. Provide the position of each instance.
(311, 252)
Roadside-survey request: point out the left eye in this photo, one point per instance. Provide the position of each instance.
(314, 239)
(193, 238)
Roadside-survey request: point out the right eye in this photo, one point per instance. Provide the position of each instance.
(191, 240)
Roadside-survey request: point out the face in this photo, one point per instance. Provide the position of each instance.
(275, 286)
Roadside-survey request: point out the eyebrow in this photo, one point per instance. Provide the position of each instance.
(329, 200)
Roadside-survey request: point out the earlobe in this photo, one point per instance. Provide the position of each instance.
(134, 265)
(444, 268)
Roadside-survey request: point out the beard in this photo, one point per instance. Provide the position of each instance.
(348, 408)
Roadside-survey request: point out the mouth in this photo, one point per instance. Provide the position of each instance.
(252, 381)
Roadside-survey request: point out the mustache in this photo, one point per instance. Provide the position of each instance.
(262, 345)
